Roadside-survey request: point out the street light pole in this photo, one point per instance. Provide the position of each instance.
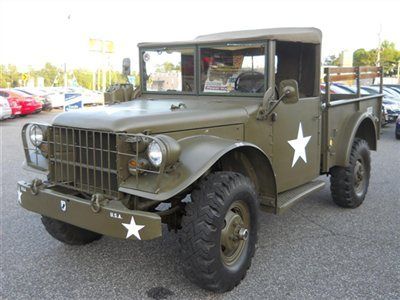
(398, 72)
(378, 57)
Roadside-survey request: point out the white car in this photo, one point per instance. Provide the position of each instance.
(56, 95)
(5, 109)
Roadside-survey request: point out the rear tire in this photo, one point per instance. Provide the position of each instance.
(219, 231)
(67, 233)
(349, 185)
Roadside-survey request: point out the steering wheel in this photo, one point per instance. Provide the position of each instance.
(249, 82)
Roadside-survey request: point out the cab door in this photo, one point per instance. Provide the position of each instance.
(296, 142)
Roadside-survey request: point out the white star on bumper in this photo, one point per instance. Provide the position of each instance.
(133, 229)
(299, 146)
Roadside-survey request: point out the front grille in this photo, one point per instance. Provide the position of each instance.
(84, 160)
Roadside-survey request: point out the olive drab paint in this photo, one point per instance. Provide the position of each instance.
(282, 141)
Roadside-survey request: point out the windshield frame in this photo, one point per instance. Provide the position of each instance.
(163, 48)
(197, 78)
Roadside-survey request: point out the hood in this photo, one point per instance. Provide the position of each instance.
(157, 116)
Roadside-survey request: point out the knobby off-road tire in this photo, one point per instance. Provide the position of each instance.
(67, 233)
(224, 205)
(349, 185)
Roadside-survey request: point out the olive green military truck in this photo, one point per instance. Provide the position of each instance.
(222, 126)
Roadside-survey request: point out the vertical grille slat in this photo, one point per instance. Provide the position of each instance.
(81, 160)
(74, 156)
(61, 151)
(87, 162)
(109, 163)
(101, 162)
(68, 165)
(94, 160)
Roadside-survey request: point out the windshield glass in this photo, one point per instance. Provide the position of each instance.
(169, 70)
(233, 69)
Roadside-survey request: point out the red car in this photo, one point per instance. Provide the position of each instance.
(28, 104)
(14, 104)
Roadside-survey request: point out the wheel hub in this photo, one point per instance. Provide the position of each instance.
(359, 174)
(235, 232)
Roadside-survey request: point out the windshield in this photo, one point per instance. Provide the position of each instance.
(169, 70)
(233, 69)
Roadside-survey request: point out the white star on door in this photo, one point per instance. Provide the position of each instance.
(133, 229)
(299, 146)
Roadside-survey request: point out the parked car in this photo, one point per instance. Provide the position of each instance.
(395, 89)
(398, 128)
(345, 89)
(55, 95)
(336, 89)
(5, 109)
(13, 103)
(392, 87)
(28, 104)
(387, 92)
(391, 104)
(392, 108)
(39, 95)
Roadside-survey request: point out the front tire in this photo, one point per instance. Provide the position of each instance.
(349, 185)
(219, 231)
(67, 233)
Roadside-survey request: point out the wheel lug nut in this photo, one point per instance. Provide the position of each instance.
(243, 234)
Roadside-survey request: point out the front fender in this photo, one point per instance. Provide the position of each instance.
(198, 154)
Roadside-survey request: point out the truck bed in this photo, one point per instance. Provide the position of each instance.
(346, 117)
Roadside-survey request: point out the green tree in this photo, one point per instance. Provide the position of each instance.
(84, 78)
(390, 57)
(332, 60)
(168, 66)
(50, 73)
(9, 76)
(362, 57)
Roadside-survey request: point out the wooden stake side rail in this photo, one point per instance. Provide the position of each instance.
(333, 74)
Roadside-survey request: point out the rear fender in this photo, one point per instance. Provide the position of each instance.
(361, 125)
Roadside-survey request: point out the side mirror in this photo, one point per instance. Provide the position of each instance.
(126, 66)
(289, 91)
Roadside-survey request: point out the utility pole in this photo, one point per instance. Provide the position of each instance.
(65, 76)
(103, 65)
(67, 34)
(378, 57)
(398, 72)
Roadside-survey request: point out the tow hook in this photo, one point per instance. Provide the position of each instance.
(36, 183)
(96, 201)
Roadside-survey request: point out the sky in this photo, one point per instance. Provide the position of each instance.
(37, 31)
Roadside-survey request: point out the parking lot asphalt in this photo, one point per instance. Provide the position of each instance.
(315, 250)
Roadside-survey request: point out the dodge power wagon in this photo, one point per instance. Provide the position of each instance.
(221, 127)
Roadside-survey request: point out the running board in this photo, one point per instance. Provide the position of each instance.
(288, 198)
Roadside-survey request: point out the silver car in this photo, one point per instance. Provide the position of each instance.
(5, 109)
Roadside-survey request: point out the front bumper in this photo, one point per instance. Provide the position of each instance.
(113, 219)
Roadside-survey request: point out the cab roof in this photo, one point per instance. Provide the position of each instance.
(290, 34)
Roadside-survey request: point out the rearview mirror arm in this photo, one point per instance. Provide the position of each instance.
(264, 112)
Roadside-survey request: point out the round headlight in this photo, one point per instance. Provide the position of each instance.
(155, 154)
(36, 135)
